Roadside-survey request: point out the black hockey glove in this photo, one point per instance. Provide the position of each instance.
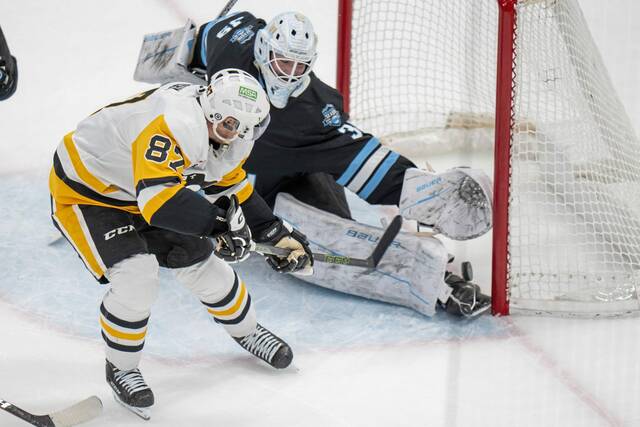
(233, 245)
(8, 76)
(283, 235)
(8, 70)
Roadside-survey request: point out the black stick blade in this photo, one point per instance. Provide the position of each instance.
(35, 420)
(385, 241)
(85, 410)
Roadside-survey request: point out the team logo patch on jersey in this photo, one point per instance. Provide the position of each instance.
(243, 35)
(331, 116)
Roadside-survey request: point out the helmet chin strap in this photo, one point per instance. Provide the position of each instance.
(223, 141)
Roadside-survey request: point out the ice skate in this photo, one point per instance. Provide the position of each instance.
(268, 347)
(130, 390)
(466, 298)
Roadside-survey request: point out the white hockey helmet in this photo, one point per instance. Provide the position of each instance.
(285, 51)
(234, 97)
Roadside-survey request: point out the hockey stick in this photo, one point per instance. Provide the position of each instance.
(81, 412)
(371, 262)
(227, 7)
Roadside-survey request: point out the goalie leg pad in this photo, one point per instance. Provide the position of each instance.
(411, 273)
(456, 203)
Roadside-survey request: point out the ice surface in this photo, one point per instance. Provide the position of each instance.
(51, 282)
(357, 362)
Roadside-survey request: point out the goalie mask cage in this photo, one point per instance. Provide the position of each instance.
(524, 79)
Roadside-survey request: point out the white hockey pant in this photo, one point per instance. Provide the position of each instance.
(222, 292)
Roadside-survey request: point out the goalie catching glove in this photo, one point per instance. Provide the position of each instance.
(282, 235)
(456, 203)
(233, 245)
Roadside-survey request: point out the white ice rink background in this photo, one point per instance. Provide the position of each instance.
(357, 362)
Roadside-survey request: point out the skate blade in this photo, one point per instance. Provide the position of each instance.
(478, 312)
(144, 413)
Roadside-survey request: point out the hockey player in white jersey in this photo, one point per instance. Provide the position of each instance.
(311, 150)
(124, 194)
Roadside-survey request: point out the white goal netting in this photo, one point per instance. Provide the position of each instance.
(423, 76)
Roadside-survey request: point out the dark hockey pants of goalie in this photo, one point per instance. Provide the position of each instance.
(319, 190)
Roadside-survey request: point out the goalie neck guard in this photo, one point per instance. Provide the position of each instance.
(234, 98)
(285, 51)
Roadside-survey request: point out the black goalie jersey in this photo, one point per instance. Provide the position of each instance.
(311, 134)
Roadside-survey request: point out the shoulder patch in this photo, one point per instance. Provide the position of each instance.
(242, 35)
(331, 116)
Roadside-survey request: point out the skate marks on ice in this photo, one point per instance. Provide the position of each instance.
(51, 285)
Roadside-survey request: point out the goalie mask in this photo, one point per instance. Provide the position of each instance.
(285, 51)
(236, 105)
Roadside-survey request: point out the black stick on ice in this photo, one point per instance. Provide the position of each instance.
(81, 412)
(371, 262)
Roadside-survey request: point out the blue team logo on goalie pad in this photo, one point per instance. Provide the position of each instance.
(331, 116)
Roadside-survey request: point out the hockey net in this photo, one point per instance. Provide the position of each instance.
(424, 76)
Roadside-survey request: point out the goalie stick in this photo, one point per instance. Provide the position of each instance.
(227, 8)
(202, 73)
(81, 412)
(371, 262)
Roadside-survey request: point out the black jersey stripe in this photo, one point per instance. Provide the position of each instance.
(238, 319)
(215, 189)
(150, 182)
(120, 347)
(228, 298)
(83, 189)
(139, 97)
(122, 323)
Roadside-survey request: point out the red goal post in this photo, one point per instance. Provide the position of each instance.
(524, 79)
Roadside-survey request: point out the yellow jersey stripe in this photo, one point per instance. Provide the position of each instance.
(122, 335)
(236, 175)
(80, 168)
(69, 222)
(235, 307)
(65, 195)
(244, 192)
(90, 241)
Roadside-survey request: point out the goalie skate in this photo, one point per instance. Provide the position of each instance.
(466, 298)
(130, 390)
